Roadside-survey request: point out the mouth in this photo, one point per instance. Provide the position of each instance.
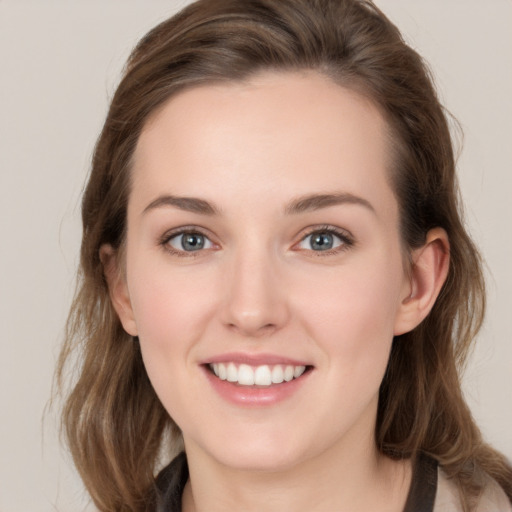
(264, 375)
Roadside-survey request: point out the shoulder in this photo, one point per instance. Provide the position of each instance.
(493, 498)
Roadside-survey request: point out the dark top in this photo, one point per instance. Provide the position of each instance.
(172, 479)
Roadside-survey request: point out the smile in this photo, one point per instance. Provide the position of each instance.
(262, 375)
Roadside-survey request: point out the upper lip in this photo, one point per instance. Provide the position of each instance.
(255, 359)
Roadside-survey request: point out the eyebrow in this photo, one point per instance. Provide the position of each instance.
(318, 201)
(302, 204)
(188, 204)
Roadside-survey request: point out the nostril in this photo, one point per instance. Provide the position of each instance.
(252, 329)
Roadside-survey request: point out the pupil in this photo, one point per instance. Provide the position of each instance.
(193, 242)
(322, 242)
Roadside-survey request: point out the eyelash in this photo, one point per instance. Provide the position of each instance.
(347, 241)
(186, 230)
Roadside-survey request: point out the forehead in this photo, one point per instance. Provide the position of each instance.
(288, 133)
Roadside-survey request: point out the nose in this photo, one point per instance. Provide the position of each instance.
(256, 302)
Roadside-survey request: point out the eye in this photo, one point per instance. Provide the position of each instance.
(323, 240)
(189, 242)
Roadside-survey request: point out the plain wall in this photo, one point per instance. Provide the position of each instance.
(59, 63)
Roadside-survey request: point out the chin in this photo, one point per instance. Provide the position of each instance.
(258, 460)
(258, 451)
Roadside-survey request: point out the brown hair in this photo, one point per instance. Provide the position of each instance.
(113, 420)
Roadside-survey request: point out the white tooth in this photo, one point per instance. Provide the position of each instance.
(222, 371)
(288, 373)
(245, 375)
(262, 376)
(231, 373)
(298, 371)
(277, 374)
(215, 368)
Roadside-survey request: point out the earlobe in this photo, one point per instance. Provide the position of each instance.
(429, 269)
(118, 289)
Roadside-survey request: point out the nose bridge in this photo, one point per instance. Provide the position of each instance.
(255, 301)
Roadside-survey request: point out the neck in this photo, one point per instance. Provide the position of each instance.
(351, 477)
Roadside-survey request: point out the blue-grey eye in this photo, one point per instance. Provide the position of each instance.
(321, 241)
(190, 242)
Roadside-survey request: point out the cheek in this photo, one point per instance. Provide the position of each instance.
(351, 321)
(171, 311)
(352, 315)
(167, 303)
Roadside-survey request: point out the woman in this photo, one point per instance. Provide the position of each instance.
(274, 273)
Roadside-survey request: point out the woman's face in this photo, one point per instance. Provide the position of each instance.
(263, 244)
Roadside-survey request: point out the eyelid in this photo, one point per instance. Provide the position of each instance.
(344, 235)
(163, 241)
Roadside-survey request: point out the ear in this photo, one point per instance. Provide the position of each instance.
(429, 268)
(118, 288)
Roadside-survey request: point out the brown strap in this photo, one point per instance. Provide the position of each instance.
(422, 493)
(171, 482)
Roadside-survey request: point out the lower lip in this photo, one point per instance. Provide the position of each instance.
(254, 396)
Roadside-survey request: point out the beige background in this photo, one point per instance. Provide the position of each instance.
(59, 63)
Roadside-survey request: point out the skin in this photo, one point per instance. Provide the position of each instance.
(251, 150)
